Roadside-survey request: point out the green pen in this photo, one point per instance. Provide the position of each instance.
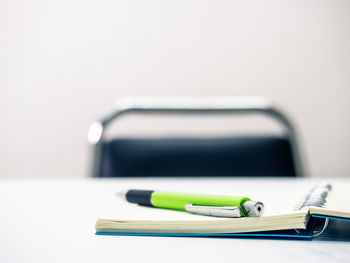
(211, 205)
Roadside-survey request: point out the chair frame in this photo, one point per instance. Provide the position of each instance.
(192, 105)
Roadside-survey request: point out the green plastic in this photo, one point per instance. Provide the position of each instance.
(178, 201)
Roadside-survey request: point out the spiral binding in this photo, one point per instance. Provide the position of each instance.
(317, 196)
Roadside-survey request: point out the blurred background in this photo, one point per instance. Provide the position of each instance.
(64, 63)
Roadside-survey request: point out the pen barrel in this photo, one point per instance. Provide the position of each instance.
(178, 201)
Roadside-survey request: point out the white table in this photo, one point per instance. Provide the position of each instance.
(53, 221)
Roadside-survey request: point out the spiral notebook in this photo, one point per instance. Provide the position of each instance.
(291, 213)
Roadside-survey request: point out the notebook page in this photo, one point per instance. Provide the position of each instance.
(337, 204)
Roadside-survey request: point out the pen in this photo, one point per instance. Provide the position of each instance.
(212, 205)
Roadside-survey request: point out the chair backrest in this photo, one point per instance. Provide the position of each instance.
(205, 157)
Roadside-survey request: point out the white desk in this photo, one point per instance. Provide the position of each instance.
(53, 221)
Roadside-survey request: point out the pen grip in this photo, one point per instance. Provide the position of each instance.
(178, 201)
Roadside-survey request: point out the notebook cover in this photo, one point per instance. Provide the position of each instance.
(304, 234)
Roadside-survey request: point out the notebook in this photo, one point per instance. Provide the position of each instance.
(302, 212)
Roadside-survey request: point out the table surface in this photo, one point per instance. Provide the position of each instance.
(53, 221)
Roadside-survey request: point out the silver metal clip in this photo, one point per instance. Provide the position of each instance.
(218, 211)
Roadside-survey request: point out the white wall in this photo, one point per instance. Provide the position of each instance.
(64, 62)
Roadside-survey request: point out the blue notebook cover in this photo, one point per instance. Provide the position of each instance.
(318, 225)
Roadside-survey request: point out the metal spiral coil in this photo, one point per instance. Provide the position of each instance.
(317, 196)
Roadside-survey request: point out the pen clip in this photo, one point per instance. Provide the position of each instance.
(218, 211)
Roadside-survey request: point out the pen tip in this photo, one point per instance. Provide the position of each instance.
(122, 194)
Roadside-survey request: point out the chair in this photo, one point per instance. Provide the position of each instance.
(273, 156)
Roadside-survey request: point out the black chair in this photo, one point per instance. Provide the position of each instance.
(255, 156)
